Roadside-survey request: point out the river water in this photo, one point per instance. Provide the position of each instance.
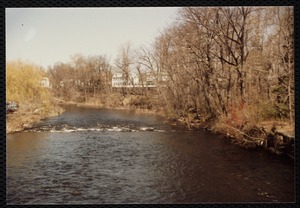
(100, 156)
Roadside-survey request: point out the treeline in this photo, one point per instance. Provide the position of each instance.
(81, 78)
(88, 79)
(23, 85)
(231, 62)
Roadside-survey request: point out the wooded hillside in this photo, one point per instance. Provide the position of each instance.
(231, 62)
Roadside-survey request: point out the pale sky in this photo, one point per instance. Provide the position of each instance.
(45, 36)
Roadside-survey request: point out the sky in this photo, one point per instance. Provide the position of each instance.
(45, 36)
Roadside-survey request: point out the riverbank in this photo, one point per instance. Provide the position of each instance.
(271, 135)
(120, 145)
(24, 118)
(275, 136)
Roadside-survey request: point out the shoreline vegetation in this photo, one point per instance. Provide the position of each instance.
(229, 70)
(274, 136)
(22, 119)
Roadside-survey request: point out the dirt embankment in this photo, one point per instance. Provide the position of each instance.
(278, 139)
(21, 119)
(275, 136)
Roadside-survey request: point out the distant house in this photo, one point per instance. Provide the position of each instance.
(118, 80)
(150, 79)
(45, 82)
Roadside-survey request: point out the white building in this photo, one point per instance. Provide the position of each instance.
(117, 80)
(45, 82)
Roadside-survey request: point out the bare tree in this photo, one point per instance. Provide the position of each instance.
(284, 39)
(124, 62)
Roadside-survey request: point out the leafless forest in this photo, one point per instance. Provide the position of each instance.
(231, 64)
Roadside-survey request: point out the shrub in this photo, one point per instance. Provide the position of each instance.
(23, 84)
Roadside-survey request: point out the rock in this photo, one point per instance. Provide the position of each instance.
(147, 129)
(126, 130)
(26, 125)
(280, 143)
(270, 140)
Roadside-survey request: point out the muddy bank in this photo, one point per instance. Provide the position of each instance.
(258, 137)
(275, 137)
(22, 119)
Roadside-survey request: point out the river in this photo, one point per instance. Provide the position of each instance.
(100, 156)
